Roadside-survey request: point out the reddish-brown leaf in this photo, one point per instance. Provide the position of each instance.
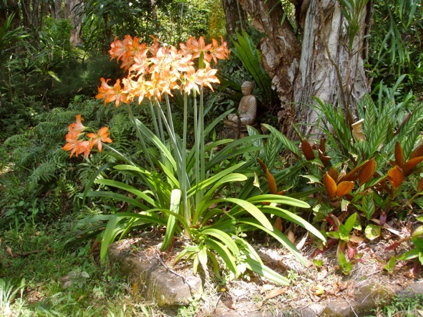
(333, 172)
(383, 217)
(307, 150)
(395, 176)
(418, 151)
(330, 185)
(399, 154)
(407, 168)
(351, 251)
(353, 175)
(273, 188)
(367, 171)
(344, 188)
(262, 165)
(322, 145)
(325, 159)
(278, 224)
(393, 246)
(420, 185)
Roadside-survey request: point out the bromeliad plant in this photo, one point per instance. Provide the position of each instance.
(181, 186)
(370, 168)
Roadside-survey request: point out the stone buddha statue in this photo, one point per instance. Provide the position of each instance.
(247, 110)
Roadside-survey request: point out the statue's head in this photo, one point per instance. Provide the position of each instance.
(247, 87)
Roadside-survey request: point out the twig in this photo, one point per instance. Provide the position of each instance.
(352, 308)
(172, 271)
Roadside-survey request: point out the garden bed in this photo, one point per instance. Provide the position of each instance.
(320, 289)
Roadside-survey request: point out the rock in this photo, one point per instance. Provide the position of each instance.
(154, 281)
(314, 310)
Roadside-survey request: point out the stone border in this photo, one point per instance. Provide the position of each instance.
(155, 282)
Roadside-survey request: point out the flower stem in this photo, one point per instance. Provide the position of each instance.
(140, 137)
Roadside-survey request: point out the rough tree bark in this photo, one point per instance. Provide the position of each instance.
(235, 16)
(76, 21)
(316, 62)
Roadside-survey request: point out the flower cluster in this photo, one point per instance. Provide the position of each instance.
(76, 145)
(155, 70)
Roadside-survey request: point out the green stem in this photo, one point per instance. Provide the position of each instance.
(196, 149)
(172, 135)
(154, 118)
(185, 179)
(169, 114)
(140, 136)
(161, 130)
(201, 131)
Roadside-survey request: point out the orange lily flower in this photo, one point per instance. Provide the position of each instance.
(197, 47)
(98, 138)
(190, 81)
(77, 126)
(219, 52)
(115, 93)
(76, 146)
(206, 76)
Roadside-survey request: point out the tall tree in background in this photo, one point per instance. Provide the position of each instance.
(320, 54)
(33, 12)
(236, 16)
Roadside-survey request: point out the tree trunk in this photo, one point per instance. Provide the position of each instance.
(235, 17)
(280, 48)
(76, 21)
(322, 66)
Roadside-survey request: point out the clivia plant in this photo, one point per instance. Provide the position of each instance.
(182, 185)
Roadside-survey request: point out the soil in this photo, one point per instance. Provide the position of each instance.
(321, 282)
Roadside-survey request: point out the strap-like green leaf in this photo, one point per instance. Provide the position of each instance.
(278, 236)
(175, 200)
(266, 272)
(128, 188)
(285, 214)
(224, 237)
(224, 253)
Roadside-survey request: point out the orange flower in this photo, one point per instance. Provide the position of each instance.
(115, 93)
(219, 52)
(190, 81)
(104, 90)
(159, 69)
(206, 76)
(195, 48)
(76, 146)
(119, 49)
(98, 138)
(77, 126)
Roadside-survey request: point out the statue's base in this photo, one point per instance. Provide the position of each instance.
(233, 132)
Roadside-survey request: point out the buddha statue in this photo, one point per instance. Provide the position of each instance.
(247, 110)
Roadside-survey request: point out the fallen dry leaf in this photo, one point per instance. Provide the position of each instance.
(302, 242)
(291, 236)
(321, 275)
(357, 130)
(9, 251)
(318, 290)
(275, 293)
